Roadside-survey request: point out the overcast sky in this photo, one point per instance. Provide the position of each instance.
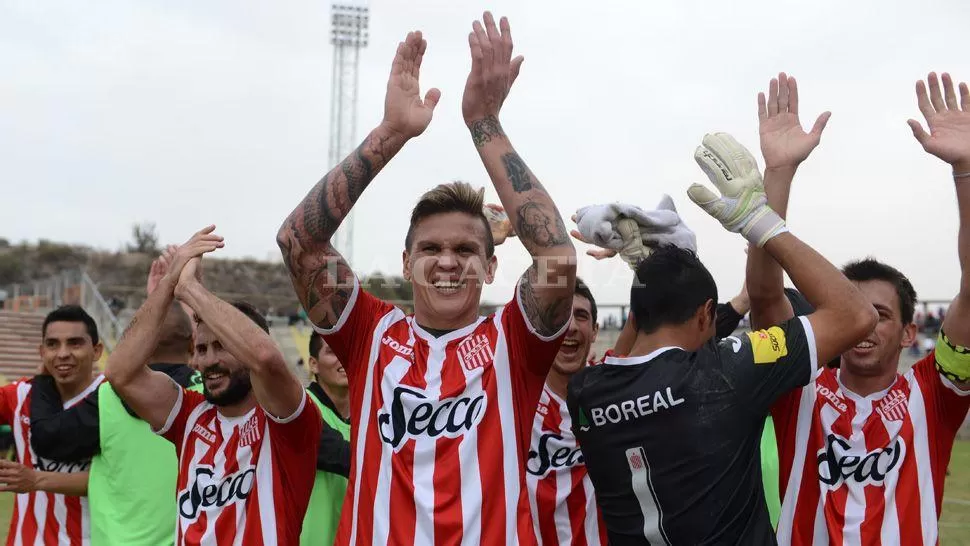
(185, 113)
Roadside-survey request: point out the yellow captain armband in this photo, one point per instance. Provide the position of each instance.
(953, 361)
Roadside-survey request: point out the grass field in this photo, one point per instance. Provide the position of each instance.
(954, 524)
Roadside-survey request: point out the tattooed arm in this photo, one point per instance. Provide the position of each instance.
(547, 286)
(152, 394)
(322, 278)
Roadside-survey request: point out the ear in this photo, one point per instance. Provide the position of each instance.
(490, 268)
(406, 265)
(98, 351)
(705, 315)
(596, 331)
(313, 365)
(909, 335)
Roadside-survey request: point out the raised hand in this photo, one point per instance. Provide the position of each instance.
(157, 272)
(949, 136)
(405, 113)
(493, 69)
(597, 252)
(183, 261)
(783, 141)
(498, 223)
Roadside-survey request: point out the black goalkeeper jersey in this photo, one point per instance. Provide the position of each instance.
(672, 439)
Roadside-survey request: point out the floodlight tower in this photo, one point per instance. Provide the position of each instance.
(348, 35)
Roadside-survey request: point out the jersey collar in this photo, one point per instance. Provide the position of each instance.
(641, 359)
(443, 340)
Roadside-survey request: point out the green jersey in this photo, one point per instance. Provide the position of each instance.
(769, 471)
(327, 498)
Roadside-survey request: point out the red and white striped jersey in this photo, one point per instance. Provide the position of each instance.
(866, 470)
(561, 494)
(42, 518)
(242, 480)
(441, 425)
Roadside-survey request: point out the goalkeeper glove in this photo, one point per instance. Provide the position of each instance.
(742, 207)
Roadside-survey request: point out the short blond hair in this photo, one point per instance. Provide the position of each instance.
(456, 196)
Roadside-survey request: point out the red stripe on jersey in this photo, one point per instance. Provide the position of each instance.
(576, 505)
(908, 495)
(226, 520)
(808, 488)
(73, 505)
(876, 437)
(493, 503)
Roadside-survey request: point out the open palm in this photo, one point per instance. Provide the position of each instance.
(949, 134)
(405, 112)
(783, 141)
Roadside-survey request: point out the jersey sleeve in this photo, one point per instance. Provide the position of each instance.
(766, 364)
(527, 347)
(70, 434)
(350, 338)
(946, 404)
(295, 442)
(174, 428)
(8, 403)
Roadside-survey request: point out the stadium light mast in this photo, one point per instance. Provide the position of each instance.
(348, 35)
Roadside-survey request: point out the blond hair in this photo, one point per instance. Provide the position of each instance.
(456, 196)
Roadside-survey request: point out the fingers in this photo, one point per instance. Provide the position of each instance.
(432, 97)
(422, 47)
(397, 65)
(703, 197)
(476, 51)
(936, 97)
(577, 235)
(820, 123)
(601, 253)
(495, 37)
(506, 37)
(923, 101)
(488, 53)
(773, 97)
(921, 135)
(965, 97)
(949, 93)
(792, 95)
(514, 69)
(762, 107)
(783, 93)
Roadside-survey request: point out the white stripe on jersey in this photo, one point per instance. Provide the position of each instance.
(424, 446)
(264, 485)
(471, 479)
(506, 413)
(564, 487)
(806, 404)
(924, 468)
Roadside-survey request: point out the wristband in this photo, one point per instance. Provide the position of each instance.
(961, 175)
(763, 226)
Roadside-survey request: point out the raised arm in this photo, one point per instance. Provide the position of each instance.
(784, 145)
(322, 278)
(842, 315)
(151, 394)
(277, 390)
(949, 140)
(547, 286)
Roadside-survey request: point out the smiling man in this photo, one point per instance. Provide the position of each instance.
(561, 494)
(51, 507)
(442, 401)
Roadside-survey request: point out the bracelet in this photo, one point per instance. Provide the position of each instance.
(961, 175)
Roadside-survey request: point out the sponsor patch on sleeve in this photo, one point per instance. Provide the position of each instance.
(768, 345)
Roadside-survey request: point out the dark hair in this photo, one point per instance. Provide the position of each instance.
(175, 335)
(871, 269)
(670, 285)
(247, 309)
(72, 313)
(316, 343)
(454, 197)
(583, 290)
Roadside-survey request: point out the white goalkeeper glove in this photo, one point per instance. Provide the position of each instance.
(742, 207)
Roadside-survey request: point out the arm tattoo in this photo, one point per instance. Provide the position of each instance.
(537, 226)
(546, 318)
(323, 280)
(484, 129)
(517, 172)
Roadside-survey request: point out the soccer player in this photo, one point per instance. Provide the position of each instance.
(133, 471)
(561, 495)
(671, 434)
(247, 445)
(441, 401)
(51, 507)
(863, 448)
(329, 391)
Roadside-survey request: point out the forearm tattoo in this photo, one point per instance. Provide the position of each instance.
(539, 226)
(546, 317)
(517, 172)
(485, 129)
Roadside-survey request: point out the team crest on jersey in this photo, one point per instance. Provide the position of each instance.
(210, 492)
(893, 406)
(249, 433)
(838, 463)
(413, 414)
(475, 352)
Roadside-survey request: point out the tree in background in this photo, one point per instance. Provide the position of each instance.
(144, 239)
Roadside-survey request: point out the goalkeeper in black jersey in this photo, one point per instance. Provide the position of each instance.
(671, 433)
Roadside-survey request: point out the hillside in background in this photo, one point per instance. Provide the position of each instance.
(121, 275)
